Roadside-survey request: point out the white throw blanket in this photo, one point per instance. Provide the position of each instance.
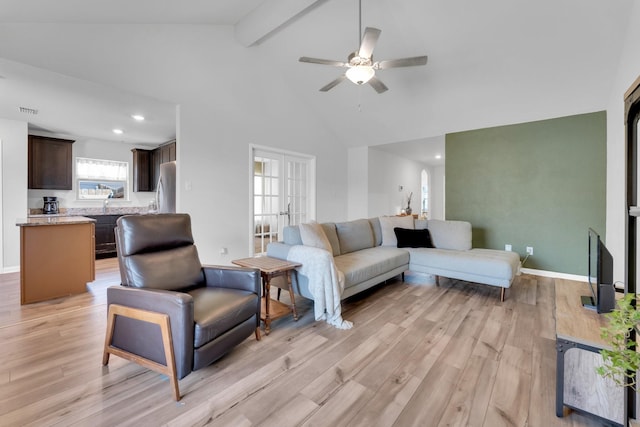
(326, 283)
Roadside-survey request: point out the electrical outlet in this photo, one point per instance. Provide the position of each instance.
(223, 251)
(507, 247)
(530, 250)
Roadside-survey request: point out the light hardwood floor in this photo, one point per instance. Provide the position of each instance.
(418, 355)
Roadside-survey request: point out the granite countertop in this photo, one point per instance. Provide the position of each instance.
(111, 210)
(53, 220)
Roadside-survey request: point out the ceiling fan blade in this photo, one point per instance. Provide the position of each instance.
(322, 61)
(378, 85)
(403, 62)
(369, 40)
(333, 83)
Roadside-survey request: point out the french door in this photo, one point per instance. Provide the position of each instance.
(283, 194)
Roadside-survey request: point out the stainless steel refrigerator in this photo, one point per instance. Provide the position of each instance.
(166, 190)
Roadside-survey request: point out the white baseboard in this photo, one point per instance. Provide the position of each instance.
(554, 274)
(14, 269)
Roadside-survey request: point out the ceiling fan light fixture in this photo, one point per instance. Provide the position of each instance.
(360, 74)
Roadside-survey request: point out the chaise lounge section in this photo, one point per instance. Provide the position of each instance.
(454, 258)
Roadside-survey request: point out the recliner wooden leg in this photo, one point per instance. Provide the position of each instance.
(403, 276)
(437, 280)
(502, 295)
(160, 319)
(258, 336)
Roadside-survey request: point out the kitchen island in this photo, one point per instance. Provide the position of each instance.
(57, 256)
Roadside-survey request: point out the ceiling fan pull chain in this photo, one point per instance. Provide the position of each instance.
(359, 22)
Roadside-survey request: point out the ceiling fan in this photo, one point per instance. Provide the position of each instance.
(361, 68)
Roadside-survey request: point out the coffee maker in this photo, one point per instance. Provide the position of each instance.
(50, 206)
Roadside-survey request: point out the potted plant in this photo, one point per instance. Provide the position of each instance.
(408, 208)
(621, 360)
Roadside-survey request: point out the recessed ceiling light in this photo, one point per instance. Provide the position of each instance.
(438, 156)
(118, 131)
(137, 117)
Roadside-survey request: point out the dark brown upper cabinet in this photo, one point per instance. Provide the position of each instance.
(50, 163)
(142, 170)
(146, 165)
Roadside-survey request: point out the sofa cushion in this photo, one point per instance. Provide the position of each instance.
(450, 234)
(291, 236)
(330, 231)
(408, 238)
(366, 264)
(217, 310)
(388, 223)
(354, 235)
(377, 231)
(312, 234)
(487, 263)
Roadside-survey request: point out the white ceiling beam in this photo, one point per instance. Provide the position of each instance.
(270, 17)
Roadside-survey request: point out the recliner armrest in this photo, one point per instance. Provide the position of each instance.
(177, 305)
(246, 279)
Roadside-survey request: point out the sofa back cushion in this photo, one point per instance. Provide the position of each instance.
(450, 234)
(313, 234)
(377, 231)
(291, 236)
(332, 235)
(354, 235)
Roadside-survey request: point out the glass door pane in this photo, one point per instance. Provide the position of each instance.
(265, 201)
(281, 186)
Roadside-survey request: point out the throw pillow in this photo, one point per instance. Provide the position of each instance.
(413, 238)
(388, 223)
(312, 234)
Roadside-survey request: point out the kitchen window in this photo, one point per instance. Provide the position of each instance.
(102, 179)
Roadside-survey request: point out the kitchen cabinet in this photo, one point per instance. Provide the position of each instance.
(56, 257)
(50, 164)
(146, 165)
(142, 170)
(168, 152)
(105, 246)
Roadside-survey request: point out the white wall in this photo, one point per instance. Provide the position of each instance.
(14, 189)
(628, 71)
(387, 172)
(94, 149)
(358, 183)
(437, 191)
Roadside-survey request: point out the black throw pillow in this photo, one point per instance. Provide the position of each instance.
(408, 238)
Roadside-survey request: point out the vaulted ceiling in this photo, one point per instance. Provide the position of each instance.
(491, 62)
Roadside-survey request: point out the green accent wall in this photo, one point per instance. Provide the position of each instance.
(540, 184)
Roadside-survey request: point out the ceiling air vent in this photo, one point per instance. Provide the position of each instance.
(28, 110)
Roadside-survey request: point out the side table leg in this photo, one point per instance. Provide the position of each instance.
(267, 303)
(292, 297)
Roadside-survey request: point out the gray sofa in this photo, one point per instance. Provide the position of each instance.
(366, 260)
(357, 253)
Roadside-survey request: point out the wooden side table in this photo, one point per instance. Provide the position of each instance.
(270, 268)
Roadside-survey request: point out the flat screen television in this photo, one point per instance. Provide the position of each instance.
(602, 298)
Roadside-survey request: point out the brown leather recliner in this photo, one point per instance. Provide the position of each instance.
(171, 314)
